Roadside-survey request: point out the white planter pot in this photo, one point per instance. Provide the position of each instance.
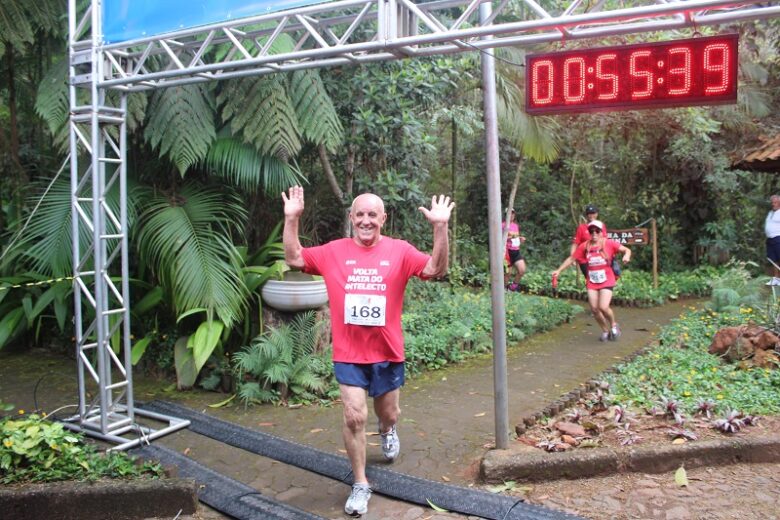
(287, 295)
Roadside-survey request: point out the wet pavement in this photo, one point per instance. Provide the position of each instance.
(447, 420)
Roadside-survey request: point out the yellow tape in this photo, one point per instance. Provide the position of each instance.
(34, 284)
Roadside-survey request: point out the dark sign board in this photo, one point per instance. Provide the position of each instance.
(627, 237)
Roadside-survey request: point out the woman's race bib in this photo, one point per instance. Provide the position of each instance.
(515, 242)
(599, 276)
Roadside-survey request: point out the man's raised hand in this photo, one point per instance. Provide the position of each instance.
(293, 203)
(440, 211)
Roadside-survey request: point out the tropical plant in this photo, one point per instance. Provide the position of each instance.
(36, 450)
(284, 363)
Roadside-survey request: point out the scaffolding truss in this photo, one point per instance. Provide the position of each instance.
(359, 31)
(346, 32)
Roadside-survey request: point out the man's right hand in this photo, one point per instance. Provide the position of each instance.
(293, 203)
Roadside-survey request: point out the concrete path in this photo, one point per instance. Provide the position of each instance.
(447, 416)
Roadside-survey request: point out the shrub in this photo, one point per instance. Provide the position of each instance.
(444, 324)
(35, 450)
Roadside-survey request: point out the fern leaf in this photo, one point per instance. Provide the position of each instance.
(181, 124)
(260, 110)
(317, 116)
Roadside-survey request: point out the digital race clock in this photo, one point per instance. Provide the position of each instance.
(696, 71)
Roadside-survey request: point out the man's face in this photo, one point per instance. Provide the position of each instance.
(775, 201)
(592, 216)
(367, 217)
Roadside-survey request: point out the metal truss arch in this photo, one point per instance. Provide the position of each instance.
(343, 32)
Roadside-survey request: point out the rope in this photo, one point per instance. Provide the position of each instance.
(34, 284)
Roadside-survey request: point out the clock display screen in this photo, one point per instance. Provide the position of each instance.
(696, 71)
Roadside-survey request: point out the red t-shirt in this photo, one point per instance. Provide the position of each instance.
(365, 287)
(599, 262)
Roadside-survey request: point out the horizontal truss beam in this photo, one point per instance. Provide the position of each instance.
(361, 31)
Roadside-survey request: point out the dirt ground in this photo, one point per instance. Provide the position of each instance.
(743, 491)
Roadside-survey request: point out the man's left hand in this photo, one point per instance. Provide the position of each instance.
(440, 211)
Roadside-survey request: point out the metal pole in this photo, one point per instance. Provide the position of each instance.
(496, 245)
(655, 254)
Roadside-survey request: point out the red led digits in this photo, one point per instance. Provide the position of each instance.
(574, 80)
(695, 71)
(606, 61)
(680, 75)
(642, 79)
(542, 81)
(716, 63)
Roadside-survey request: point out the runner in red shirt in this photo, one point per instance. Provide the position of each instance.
(597, 254)
(366, 276)
(581, 234)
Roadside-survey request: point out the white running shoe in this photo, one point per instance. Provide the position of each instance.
(614, 333)
(357, 503)
(391, 445)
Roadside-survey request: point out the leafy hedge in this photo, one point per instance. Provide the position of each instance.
(444, 324)
(634, 287)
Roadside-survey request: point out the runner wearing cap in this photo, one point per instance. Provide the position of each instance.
(581, 234)
(597, 254)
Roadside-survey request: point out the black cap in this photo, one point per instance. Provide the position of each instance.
(590, 208)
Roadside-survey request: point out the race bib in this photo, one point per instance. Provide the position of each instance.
(599, 276)
(365, 309)
(515, 242)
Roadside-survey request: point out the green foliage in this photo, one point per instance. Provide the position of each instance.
(314, 109)
(52, 102)
(680, 369)
(634, 287)
(261, 111)
(243, 166)
(444, 324)
(181, 124)
(285, 364)
(36, 450)
(23, 309)
(186, 238)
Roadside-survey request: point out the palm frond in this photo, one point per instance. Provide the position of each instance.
(243, 166)
(181, 124)
(260, 110)
(186, 239)
(46, 243)
(317, 116)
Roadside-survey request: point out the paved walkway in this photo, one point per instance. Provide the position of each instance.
(447, 416)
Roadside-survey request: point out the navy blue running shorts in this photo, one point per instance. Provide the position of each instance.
(377, 378)
(773, 249)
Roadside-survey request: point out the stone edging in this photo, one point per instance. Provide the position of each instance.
(528, 464)
(105, 499)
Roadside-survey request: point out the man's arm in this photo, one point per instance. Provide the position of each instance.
(293, 209)
(439, 217)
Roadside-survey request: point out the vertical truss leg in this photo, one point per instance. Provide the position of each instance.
(98, 137)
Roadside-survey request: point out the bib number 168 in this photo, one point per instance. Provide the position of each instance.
(365, 309)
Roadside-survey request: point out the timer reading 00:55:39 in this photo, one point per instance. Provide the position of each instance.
(695, 71)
